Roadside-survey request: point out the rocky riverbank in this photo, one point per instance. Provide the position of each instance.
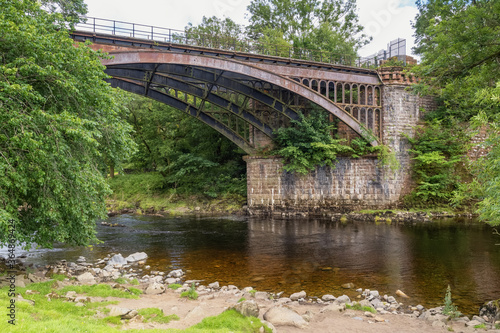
(299, 312)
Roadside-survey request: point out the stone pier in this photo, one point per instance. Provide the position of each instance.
(353, 183)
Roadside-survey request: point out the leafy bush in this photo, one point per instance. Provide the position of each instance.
(449, 308)
(191, 293)
(308, 143)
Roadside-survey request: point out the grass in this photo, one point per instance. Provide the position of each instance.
(229, 321)
(253, 292)
(102, 290)
(191, 293)
(174, 286)
(242, 299)
(483, 325)
(156, 315)
(143, 191)
(360, 307)
(59, 316)
(121, 280)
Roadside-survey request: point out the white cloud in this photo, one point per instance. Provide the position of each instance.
(385, 20)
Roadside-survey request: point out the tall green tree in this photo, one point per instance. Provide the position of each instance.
(330, 25)
(60, 124)
(459, 41)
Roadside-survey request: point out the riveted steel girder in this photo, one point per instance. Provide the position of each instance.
(192, 63)
(140, 89)
(191, 89)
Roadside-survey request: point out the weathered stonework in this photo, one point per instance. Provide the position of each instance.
(352, 184)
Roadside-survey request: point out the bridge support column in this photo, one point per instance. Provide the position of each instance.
(352, 184)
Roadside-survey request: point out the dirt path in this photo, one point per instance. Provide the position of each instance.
(193, 311)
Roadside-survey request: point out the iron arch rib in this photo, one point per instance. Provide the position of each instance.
(170, 82)
(177, 103)
(229, 65)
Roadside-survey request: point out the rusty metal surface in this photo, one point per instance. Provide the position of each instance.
(248, 70)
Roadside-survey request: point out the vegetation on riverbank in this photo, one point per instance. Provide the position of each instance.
(147, 193)
(35, 312)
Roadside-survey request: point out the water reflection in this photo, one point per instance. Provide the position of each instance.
(315, 255)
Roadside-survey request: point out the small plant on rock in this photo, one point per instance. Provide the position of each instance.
(191, 293)
(174, 286)
(449, 308)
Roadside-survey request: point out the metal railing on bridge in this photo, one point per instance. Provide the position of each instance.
(245, 45)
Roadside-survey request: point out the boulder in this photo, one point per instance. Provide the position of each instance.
(262, 295)
(117, 311)
(154, 289)
(214, 285)
(334, 307)
(284, 316)
(491, 310)
(130, 314)
(176, 273)
(473, 323)
(86, 278)
(247, 308)
(138, 256)
(117, 259)
(297, 296)
(328, 298)
(348, 285)
(343, 299)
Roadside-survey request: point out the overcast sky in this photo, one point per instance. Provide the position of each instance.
(384, 20)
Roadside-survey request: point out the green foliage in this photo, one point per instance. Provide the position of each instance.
(101, 290)
(191, 293)
(308, 143)
(481, 326)
(360, 307)
(174, 286)
(191, 157)
(60, 126)
(253, 292)
(232, 321)
(449, 308)
(458, 42)
(156, 315)
(59, 277)
(310, 24)
(242, 299)
(438, 154)
(217, 33)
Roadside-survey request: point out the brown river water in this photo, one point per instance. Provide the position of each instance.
(314, 255)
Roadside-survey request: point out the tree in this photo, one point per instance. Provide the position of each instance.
(215, 32)
(459, 44)
(329, 25)
(60, 125)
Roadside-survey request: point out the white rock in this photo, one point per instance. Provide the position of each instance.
(297, 296)
(335, 307)
(86, 278)
(138, 256)
(117, 311)
(117, 259)
(279, 315)
(154, 289)
(328, 298)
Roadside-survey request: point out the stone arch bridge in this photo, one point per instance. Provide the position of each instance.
(246, 95)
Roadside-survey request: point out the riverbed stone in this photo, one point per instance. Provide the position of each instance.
(86, 278)
(491, 310)
(176, 273)
(138, 256)
(172, 280)
(328, 298)
(261, 295)
(343, 299)
(280, 315)
(473, 323)
(374, 293)
(297, 296)
(214, 285)
(401, 294)
(116, 311)
(349, 285)
(247, 308)
(334, 307)
(154, 289)
(117, 259)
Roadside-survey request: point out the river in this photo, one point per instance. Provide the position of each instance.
(314, 255)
